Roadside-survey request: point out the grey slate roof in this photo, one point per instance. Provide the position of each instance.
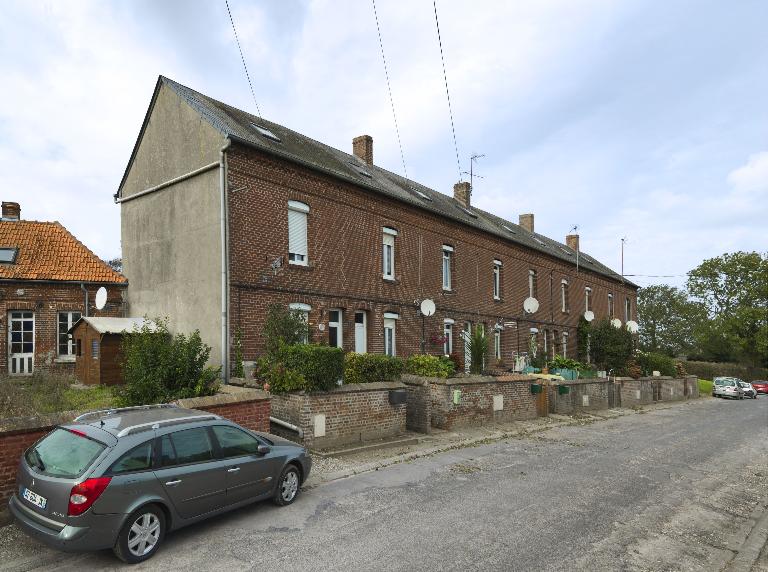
(238, 125)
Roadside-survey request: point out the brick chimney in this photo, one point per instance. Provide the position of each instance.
(11, 211)
(362, 147)
(572, 240)
(461, 193)
(526, 221)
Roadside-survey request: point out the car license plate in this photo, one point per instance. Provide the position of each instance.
(34, 498)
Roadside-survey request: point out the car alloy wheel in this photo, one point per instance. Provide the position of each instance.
(288, 486)
(141, 536)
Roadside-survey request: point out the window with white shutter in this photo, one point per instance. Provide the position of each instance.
(297, 233)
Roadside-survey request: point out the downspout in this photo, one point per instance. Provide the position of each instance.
(224, 263)
(84, 289)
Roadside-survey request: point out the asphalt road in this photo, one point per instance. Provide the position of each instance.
(670, 489)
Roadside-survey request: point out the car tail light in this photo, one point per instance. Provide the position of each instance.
(85, 494)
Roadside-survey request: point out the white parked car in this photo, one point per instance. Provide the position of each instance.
(749, 391)
(727, 387)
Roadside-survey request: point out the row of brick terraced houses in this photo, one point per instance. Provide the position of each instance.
(224, 214)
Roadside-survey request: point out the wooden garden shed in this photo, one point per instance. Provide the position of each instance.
(97, 343)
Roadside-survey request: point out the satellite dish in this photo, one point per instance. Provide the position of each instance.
(632, 326)
(589, 315)
(101, 298)
(534, 330)
(427, 307)
(531, 305)
(616, 323)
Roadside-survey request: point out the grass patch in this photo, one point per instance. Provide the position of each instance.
(705, 388)
(41, 394)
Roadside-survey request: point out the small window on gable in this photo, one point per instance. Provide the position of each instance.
(564, 296)
(497, 279)
(388, 253)
(264, 132)
(610, 306)
(8, 255)
(297, 233)
(447, 256)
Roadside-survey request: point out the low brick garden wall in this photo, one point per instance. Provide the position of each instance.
(647, 390)
(248, 407)
(482, 400)
(345, 415)
(583, 395)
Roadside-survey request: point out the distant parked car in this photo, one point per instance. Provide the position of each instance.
(760, 385)
(122, 478)
(727, 387)
(749, 391)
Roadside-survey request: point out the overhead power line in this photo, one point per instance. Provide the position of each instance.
(389, 89)
(447, 93)
(242, 57)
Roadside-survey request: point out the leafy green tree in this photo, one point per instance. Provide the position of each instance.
(611, 348)
(668, 320)
(283, 327)
(733, 288)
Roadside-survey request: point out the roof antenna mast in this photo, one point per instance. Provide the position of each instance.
(472, 160)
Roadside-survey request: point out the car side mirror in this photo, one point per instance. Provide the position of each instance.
(263, 449)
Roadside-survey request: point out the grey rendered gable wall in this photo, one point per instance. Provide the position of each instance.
(171, 238)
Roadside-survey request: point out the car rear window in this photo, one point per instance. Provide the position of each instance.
(63, 453)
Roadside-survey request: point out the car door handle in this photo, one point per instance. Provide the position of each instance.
(173, 483)
(233, 470)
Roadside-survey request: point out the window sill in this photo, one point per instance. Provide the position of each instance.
(301, 266)
(64, 359)
(390, 279)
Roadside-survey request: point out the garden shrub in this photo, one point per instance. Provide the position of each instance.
(478, 348)
(320, 366)
(282, 379)
(611, 348)
(429, 366)
(561, 362)
(650, 362)
(159, 367)
(283, 327)
(369, 368)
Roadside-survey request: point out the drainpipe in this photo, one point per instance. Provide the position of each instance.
(84, 289)
(224, 263)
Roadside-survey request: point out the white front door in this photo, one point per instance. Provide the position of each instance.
(361, 333)
(21, 342)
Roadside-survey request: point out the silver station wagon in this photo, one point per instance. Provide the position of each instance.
(122, 478)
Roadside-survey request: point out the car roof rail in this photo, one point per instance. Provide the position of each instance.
(113, 410)
(165, 423)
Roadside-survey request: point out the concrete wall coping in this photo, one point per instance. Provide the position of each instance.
(584, 381)
(658, 378)
(467, 379)
(356, 388)
(227, 395)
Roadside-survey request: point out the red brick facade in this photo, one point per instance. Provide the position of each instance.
(344, 236)
(46, 300)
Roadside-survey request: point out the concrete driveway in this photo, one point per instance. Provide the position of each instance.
(681, 488)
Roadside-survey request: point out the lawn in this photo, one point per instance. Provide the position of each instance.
(705, 388)
(41, 394)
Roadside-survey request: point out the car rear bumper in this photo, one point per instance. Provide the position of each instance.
(100, 534)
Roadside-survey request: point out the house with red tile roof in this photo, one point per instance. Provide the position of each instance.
(48, 280)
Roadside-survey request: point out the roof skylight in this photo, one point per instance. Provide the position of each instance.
(537, 239)
(265, 132)
(568, 252)
(360, 169)
(508, 228)
(420, 194)
(469, 212)
(8, 255)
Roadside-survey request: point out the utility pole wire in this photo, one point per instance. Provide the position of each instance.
(242, 57)
(389, 89)
(447, 93)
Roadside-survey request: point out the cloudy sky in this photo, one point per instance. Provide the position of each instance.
(639, 119)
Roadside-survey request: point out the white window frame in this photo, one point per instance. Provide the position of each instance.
(497, 279)
(563, 296)
(304, 309)
(611, 308)
(390, 333)
(546, 344)
(338, 325)
(446, 268)
(627, 309)
(298, 249)
(565, 344)
(497, 344)
(448, 334)
(388, 253)
(70, 354)
(531, 283)
(587, 299)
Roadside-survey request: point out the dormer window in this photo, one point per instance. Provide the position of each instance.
(8, 255)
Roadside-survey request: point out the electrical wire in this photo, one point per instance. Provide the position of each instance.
(447, 93)
(389, 89)
(242, 57)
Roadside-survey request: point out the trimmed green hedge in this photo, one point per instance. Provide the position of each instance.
(429, 366)
(650, 362)
(710, 370)
(370, 368)
(305, 367)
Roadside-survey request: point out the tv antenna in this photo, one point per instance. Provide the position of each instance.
(472, 160)
(575, 230)
(623, 242)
